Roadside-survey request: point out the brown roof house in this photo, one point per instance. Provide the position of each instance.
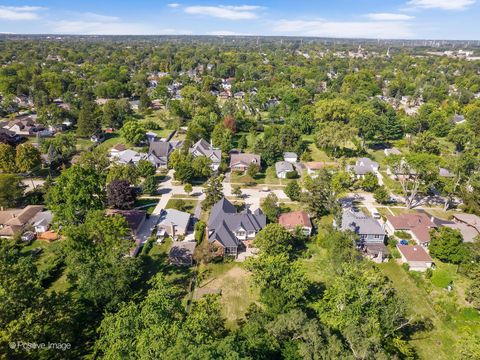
(296, 219)
(418, 225)
(15, 220)
(415, 256)
(134, 218)
(241, 162)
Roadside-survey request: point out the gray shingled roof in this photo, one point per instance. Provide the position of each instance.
(282, 166)
(224, 220)
(175, 217)
(358, 222)
(205, 149)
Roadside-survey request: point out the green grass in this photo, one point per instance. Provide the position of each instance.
(451, 319)
(146, 204)
(182, 205)
(392, 185)
(236, 291)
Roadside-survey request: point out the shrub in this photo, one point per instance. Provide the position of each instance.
(292, 175)
(200, 227)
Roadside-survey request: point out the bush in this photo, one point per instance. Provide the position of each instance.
(428, 273)
(403, 235)
(406, 266)
(292, 175)
(200, 227)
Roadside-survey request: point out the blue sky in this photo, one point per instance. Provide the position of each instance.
(408, 19)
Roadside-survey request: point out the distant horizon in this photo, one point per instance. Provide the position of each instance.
(244, 36)
(439, 20)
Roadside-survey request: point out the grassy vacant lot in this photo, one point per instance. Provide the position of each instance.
(265, 177)
(447, 313)
(233, 282)
(182, 205)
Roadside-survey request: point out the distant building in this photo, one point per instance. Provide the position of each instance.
(467, 224)
(173, 223)
(392, 151)
(241, 162)
(203, 148)
(134, 218)
(282, 168)
(159, 152)
(363, 166)
(15, 220)
(369, 230)
(290, 157)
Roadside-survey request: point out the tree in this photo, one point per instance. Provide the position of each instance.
(149, 185)
(253, 169)
(369, 182)
(368, 327)
(96, 262)
(145, 168)
(237, 191)
(76, 191)
(88, 121)
(222, 137)
(7, 158)
(461, 136)
(416, 173)
(381, 195)
(188, 188)
(270, 207)
(128, 172)
(134, 132)
(293, 191)
(426, 142)
(11, 190)
(473, 293)
(27, 158)
(213, 192)
(121, 195)
(447, 245)
(202, 166)
(334, 136)
(320, 196)
(274, 239)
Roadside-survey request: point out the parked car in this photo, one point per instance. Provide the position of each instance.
(376, 215)
(28, 236)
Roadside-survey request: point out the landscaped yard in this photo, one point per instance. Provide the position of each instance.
(146, 204)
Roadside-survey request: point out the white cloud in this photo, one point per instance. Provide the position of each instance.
(441, 4)
(173, 5)
(16, 13)
(347, 29)
(389, 17)
(242, 12)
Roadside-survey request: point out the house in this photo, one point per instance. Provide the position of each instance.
(232, 231)
(173, 223)
(9, 137)
(468, 225)
(296, 219)
(369, 230)
(181, 253)
(159, 152)
(129, 157)
(25, 125)
(442, 172)
(134, 218)
(392, 151)
(314, 166)
(282, 168)
(415, 256)
(117, 149)
(98, 137)
(418, 225)
(15, 220)
(41, 221)
(290, 157)
(151, 136)
(458, 119)
(203, 148)
(363, 166)
(241, 162)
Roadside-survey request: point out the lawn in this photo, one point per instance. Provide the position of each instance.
(428, 300)
(232, 281)
(182, 205)
(146, 204)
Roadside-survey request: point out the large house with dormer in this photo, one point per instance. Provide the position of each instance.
(232, 231)
(204, 148)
